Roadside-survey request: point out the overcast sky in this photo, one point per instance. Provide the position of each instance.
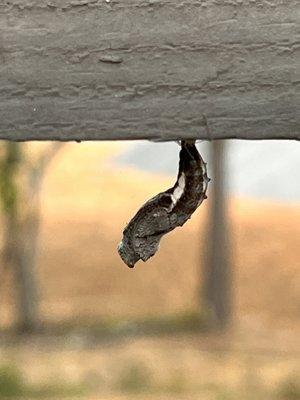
(259, 169)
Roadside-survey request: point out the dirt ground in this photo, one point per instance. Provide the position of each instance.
(87, 200)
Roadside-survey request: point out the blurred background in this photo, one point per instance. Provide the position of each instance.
(215, 314)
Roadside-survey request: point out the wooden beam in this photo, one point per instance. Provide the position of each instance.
(137, 69)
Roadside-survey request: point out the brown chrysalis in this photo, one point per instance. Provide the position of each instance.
(168, 209)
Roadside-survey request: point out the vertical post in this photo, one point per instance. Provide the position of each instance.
(217, 267)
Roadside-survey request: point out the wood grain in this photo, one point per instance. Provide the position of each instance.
(122, 69)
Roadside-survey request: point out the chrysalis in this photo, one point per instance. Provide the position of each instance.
(168, 209)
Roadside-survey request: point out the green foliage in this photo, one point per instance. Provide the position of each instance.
(289, 389)
(134, 378)
(116, 328)
(177, 384)
(169, 324)
(9, 165)
(11, 382)
(12, 386)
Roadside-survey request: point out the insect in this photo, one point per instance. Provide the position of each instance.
(167, 210)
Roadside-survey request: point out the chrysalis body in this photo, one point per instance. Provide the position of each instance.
(167, 210)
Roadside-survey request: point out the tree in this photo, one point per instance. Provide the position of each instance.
(21, 175)
(217, 292)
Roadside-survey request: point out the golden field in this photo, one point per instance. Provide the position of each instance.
(86, 201)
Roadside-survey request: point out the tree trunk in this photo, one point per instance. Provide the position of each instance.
(23, 263)
(217, 266)
(21, 209)
(20, 234)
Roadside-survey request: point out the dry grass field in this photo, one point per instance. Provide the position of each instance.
(87, 200)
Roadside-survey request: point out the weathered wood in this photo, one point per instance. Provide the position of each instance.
(132, 69)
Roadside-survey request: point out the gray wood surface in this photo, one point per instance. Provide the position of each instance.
(130, 69)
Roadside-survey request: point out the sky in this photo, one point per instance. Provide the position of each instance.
(267, 170)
